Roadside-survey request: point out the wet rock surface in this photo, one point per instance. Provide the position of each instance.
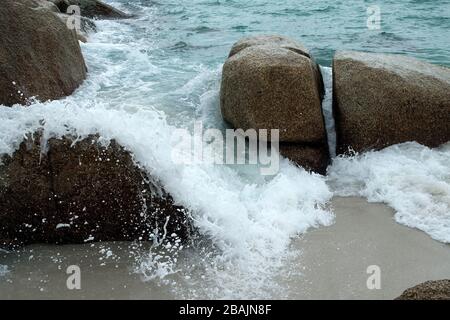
(67, 191)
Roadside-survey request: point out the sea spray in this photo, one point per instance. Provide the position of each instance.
(250, 224)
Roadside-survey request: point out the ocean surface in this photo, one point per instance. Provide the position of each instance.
(161, 70)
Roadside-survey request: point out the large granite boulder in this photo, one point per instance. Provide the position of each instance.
(381, 100)
(68, 191)
(39, 56)
(271, 82)
(430, 290)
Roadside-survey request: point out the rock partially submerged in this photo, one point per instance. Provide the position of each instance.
(92, 9)
(271, 82)
(39, 56)
(380, 100)
(68, 191)
(430, 290)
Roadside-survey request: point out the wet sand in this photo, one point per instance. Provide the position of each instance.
(332, 265)
(335, 259)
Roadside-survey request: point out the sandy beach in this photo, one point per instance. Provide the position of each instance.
(336, 258)
(332, 263)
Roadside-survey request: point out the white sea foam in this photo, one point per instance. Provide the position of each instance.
(251, 224)
(411, 178)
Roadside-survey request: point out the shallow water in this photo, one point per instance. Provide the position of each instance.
(161, 71)
(329, 264)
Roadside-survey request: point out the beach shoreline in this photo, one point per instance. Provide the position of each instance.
(332, 263)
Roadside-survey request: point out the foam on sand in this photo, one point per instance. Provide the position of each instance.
(411, 178)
